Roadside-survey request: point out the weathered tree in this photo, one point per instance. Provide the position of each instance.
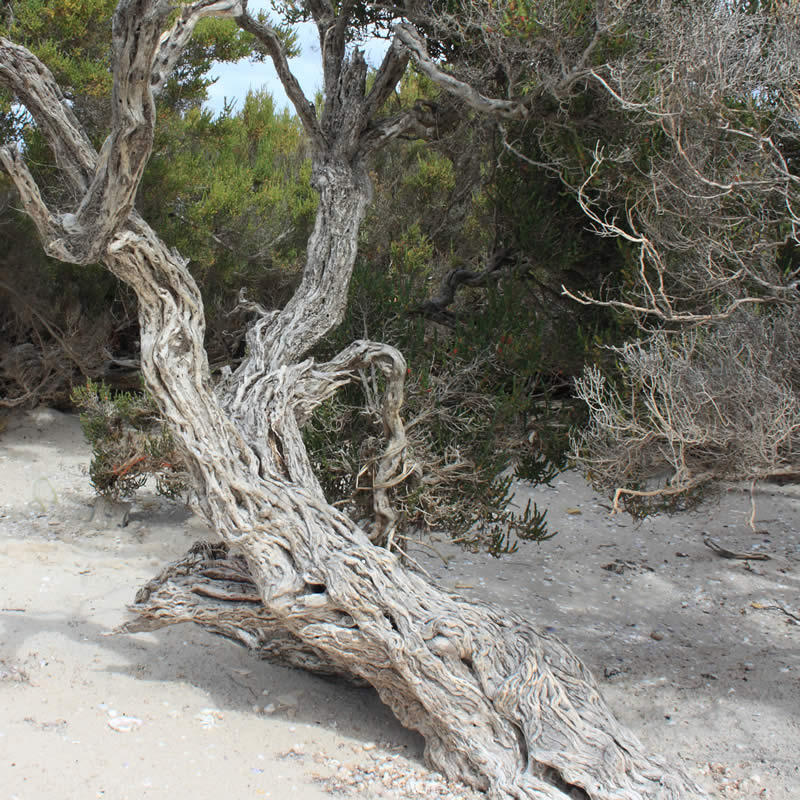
(501, 705)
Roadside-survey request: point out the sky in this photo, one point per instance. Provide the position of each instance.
(234, 80)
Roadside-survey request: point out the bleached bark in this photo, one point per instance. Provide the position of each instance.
(500, 705)
(416, 46)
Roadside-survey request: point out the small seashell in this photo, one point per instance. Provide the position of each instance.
(124, 724)
(208, 717)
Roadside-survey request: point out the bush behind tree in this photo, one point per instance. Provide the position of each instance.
(689, 410)
(130, 443)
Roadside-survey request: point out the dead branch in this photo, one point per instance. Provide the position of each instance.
(699, 407)
(435, 308)
(712, 544)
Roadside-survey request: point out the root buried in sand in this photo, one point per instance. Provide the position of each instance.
(207, 587)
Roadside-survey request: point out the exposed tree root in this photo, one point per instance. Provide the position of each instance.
(214, 589)
(501, 705)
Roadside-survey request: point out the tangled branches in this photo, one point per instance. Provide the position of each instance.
(46, 349)
(722, 403)
(674, 125)
(452, 478)
(130, 442)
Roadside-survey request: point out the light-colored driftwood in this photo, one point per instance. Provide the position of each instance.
(500, 705)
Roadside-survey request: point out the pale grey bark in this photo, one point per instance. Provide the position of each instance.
(213, 588)
(501, 705)
(416, 46)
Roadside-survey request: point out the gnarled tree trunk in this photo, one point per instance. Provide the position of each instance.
(501, 705)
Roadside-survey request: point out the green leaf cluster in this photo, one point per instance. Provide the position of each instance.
(73, 38)
(232, 193)
(130, 442)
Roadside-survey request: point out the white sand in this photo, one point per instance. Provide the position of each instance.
(681, 652)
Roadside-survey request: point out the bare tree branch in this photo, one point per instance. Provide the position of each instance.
(34, 86)
(418, 122)
(267, 35)
(174, 40)
(215, 589)
(436, 307)
(411, 39)
(389, 73)
(391, 466)
(700, 406)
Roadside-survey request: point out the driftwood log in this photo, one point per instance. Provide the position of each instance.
(501, 705)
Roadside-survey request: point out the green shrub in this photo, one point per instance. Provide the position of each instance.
(130, 442)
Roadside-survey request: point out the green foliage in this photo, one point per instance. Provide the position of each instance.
(460, 487)
(411, 253)
(73, 38)
(129, 441)
(537, 467)
(487, 523)
(433, 177)
(234, 195)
